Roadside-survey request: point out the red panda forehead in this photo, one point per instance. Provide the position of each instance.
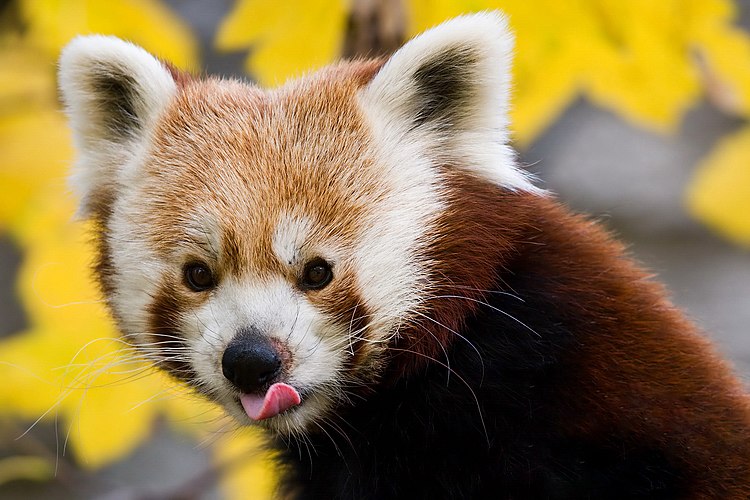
(244, 162)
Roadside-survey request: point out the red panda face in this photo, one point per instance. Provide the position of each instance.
(267, 247)
(259, 226)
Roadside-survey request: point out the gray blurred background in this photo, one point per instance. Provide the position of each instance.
(631, 180)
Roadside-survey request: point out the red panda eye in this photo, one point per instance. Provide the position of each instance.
(198, 277)
(317, 274)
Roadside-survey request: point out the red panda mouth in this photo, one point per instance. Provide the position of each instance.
(277, 399)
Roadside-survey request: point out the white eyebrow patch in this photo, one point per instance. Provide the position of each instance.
(203, 232)
(289, 236)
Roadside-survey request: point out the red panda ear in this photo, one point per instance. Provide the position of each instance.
(448, 91)
(113, 92)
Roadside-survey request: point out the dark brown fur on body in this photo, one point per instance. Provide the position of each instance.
(604, 385)
(640, 368)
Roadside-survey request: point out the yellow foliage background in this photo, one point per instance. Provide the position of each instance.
(647, 61)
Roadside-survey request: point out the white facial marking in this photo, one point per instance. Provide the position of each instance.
(387, 256)
(289, 236)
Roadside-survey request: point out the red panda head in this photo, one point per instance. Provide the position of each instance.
(269, 247)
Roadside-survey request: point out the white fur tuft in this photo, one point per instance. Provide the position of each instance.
(92, 70)
(289, 236)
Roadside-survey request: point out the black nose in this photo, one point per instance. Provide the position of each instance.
(250, 362)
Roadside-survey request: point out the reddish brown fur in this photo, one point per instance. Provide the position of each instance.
(165, 318)
(181, 78)
(642, 369)
(470, 244)
(649, 371)
(277, 151)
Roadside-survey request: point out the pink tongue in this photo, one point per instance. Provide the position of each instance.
(278, 398)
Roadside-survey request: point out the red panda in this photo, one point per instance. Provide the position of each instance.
(355, 262)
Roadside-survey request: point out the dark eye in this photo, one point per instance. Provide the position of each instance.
(316, 275)
(198, 277)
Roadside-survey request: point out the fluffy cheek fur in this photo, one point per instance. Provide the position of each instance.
(134, 274)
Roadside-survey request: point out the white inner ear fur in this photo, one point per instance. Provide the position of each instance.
(113, 92)
(447, 90)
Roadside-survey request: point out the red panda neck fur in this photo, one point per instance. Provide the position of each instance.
(638, 366)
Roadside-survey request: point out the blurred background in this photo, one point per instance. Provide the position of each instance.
(635, 112)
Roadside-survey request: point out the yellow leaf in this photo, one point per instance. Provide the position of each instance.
(52, 23)
(252, 20)
(36, 389)
(548, 64)
(285, 41)
(27, 79)
(25, 467)
(71, 362)
(422, 15)
(539, 101)
(70, 365)
(727, 60)
(33, 134)
(643, 69)
(64, 364)
(250, 471)
(719, 194)
(36, 153)
(109, 400)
